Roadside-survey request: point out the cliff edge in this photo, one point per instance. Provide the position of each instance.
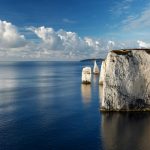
(125, 80)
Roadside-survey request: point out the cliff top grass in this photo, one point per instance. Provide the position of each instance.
(126, 51)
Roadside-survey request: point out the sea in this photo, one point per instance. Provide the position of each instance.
(44, 106)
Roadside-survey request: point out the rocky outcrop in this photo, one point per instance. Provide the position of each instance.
(125, 80)
(95, 68)
(86, 75)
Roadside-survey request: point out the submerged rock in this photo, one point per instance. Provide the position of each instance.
(86, 75)
(95, 69)
(125, 80)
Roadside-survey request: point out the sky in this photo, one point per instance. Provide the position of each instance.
(71, 29)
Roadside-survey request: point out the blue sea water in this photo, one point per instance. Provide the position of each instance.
(44, 106)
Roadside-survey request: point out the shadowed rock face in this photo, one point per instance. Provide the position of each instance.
(125, 80)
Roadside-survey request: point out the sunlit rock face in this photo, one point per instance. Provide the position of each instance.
(86, 75)
(95, 68)
(125, 80)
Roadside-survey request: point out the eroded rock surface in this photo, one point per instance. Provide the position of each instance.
(86, 75)
(125, 80)
(95, 68)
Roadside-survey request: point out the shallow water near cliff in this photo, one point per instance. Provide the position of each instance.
(44, 106)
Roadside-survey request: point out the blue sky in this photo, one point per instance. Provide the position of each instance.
(84, 17)
(90, 27)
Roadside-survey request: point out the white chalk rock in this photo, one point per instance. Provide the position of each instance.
(125, 80)
(102, 73)
(95, 69)
(86, 75)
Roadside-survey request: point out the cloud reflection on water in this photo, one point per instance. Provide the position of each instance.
(8, 82)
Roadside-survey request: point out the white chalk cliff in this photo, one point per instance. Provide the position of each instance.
(125, 80)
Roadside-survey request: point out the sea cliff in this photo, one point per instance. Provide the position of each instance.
(125, 80)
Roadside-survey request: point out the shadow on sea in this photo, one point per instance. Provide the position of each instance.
(125, 131)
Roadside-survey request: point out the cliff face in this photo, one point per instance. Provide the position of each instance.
(125, 80)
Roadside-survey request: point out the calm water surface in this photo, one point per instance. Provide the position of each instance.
(43, 106)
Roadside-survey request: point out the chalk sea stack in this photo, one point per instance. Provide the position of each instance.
(125, 80)
(86, 75)
(95, 68)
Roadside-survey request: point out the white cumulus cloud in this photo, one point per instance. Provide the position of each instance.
(49, 44)
(49, 37)
(66, 42)
(9, 36)
(95, 44)
(143, 44)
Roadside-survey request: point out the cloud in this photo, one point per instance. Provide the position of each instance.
(69, 44)
(143, 44)
(69, 21)
(49, 37)
(49, 44)
(110, 45)
(121, 7)
(9, 36)
(66, 42)
(139, 21)
(95, 44)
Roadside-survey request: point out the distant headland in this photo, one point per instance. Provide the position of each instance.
(92, 59)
